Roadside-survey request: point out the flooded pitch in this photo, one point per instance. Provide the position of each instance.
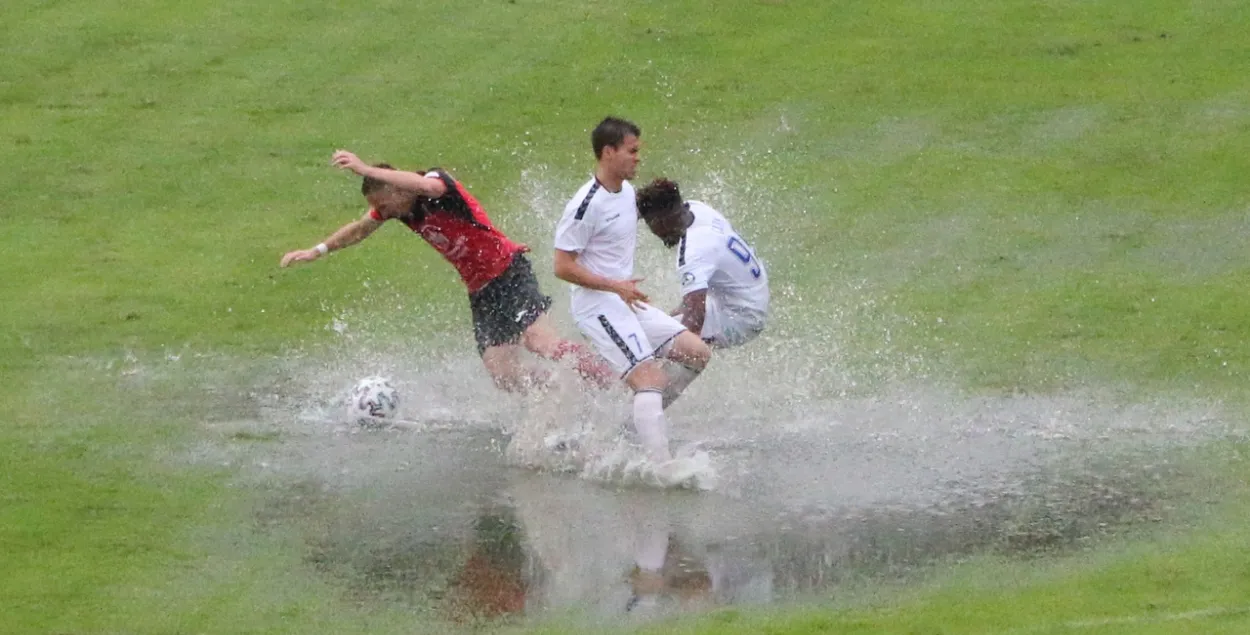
(819, 493)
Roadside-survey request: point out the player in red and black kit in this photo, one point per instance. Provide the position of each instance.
(509, 310)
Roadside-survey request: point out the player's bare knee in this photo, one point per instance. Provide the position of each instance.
(701, 356)
(542, 344)
(691, 351)
(647, 375)
(541, 338)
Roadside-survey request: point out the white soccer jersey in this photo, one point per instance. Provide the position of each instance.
(712, 256)
(602, 228)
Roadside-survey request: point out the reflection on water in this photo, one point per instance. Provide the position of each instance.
(819, 498)
(518, 544)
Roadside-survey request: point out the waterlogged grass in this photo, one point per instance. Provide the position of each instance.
(1022, 196)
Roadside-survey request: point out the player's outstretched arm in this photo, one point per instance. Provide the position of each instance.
(347, 235)
(402, 179)
(569, 270)
(693, 310)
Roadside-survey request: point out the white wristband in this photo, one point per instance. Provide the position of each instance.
(322, 248)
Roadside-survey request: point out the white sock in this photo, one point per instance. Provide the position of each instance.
(653, 550)
(650, 424)
(679, 377)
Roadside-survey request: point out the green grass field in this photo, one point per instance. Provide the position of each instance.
(1023, 196)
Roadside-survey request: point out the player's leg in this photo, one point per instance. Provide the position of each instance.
(648, 381)
(513, 309)
(541, 338)
(500, 316)
(620, 339)
(689, 350)
(506, 368)
(685, 358)
(687, 353)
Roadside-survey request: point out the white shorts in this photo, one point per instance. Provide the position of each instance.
(723, 328)
(626, 337)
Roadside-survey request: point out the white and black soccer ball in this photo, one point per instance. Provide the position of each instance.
(373, 403)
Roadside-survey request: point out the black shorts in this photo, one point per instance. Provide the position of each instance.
(507, 305)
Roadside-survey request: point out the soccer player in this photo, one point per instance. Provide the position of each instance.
(724, 285)
(509, 311)
(594, 250)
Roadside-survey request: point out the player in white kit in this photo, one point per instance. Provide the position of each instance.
(724, 285)
(594, 250)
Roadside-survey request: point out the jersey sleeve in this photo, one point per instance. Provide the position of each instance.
(576, 226)
(696, 262)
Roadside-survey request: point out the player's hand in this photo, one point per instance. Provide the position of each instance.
(629, 291)
(345, 160)
(300, 255)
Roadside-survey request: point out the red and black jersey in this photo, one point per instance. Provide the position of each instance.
(457, 227)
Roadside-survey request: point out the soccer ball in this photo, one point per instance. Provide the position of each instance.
(374, 402)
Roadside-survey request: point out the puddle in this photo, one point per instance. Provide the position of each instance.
(818, 497)
(455, 531)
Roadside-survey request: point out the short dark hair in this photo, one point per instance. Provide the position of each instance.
(612, 132)
(661, 196)
(370, 185)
